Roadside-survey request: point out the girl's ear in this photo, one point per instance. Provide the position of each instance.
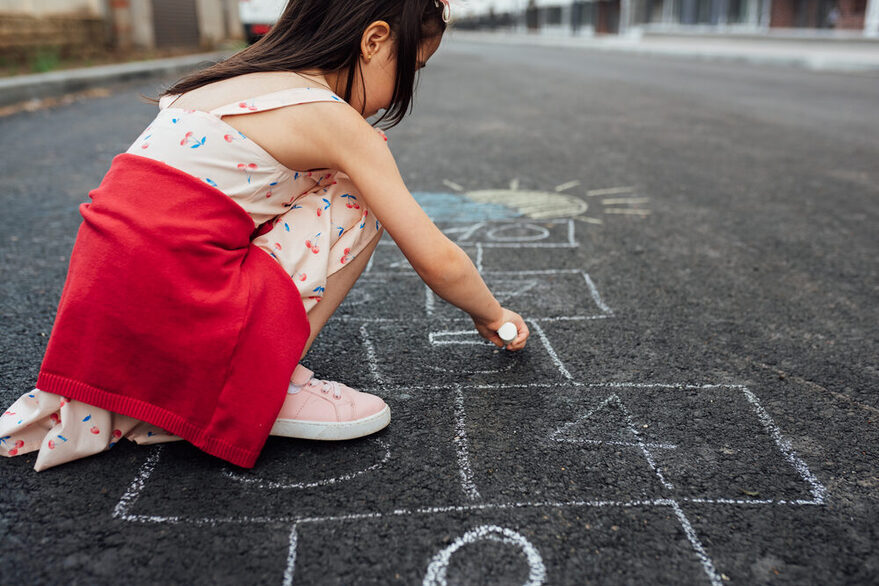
(376, 36)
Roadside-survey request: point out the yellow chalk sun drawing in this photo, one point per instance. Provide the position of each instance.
(545, 205)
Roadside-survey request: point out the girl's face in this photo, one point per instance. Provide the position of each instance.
(378, 65)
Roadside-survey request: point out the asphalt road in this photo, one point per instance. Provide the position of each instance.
(697, 403)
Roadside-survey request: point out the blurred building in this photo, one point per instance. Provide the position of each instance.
(797, 17)
(85, 27)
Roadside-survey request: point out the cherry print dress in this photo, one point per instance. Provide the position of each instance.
(311, 222)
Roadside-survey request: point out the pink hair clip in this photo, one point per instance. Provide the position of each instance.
(447, 9)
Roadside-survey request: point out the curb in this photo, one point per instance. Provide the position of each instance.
(817, 55)
(36, 86)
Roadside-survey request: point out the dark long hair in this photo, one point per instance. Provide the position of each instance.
(325, 35)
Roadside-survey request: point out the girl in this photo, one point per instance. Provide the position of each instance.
(221, 242)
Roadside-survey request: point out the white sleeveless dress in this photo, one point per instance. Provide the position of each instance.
(311, 222)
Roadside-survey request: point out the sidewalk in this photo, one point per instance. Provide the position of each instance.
(825, 54)
(22, 88)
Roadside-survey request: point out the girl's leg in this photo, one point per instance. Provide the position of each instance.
(338, 285)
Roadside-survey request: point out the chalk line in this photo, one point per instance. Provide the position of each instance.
(452, 185)
(817, 489)
(291, 557)
(428, 300)
(618, 443)
(647, 454)
(565, 427)
(593, 290)
(479, 257)
(568, 185)
(463, 371)
(628, 211)
(462, 447)
(624, 200)
(435, 337)
(121, 511)
(707, 564)
(609, 191)
(260, 483)
(550, 351)
(370, 354)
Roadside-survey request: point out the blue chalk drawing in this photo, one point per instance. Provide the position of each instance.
(451, 207)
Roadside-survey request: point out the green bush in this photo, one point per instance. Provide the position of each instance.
(45, 59)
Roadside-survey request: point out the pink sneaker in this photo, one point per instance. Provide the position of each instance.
(327, 410)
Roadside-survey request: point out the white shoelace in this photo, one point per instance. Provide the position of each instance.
(325, 387)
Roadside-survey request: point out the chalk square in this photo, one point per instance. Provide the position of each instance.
(540, 295)
(439, 352)
(407, 464)
(724, 451)
(564, 545)
(625, 443)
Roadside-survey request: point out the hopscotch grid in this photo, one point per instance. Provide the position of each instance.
(123, 509)
(131, 496)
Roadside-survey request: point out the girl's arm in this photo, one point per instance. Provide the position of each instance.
(361, 153)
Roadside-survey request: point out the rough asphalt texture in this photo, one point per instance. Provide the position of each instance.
(710, 417)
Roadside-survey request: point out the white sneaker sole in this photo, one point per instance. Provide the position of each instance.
(330, 431)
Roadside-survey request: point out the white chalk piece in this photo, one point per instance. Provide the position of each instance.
(508, 332)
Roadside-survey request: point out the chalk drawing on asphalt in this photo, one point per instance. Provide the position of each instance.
(536, 204)
(471, 453)
(257, 481)
(436, 570)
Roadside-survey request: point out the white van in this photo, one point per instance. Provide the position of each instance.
(258, 16)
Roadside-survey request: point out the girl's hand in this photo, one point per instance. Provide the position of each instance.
(488, 330)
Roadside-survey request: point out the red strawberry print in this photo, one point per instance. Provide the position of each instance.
(51, 445)
(19, 444)
(117, 433)
(55, 418)
(95, 430)
(14, 452)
